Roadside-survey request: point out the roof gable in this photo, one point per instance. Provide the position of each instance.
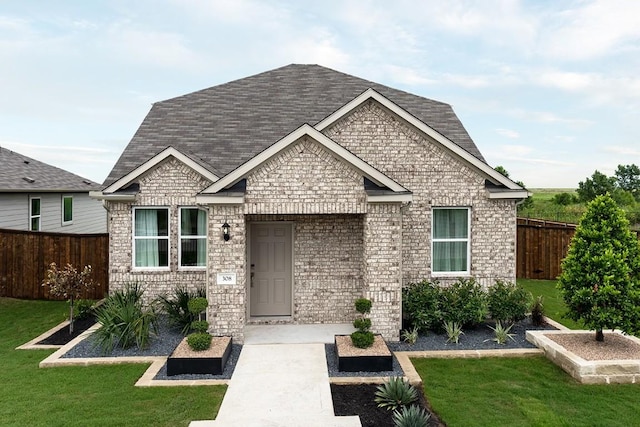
(337, 150)
(224, 126)
(129, 178)
(450, 146)
(20, 173)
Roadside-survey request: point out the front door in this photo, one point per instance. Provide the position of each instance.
(270, 269)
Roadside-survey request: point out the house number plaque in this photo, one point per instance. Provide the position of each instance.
(226, 279)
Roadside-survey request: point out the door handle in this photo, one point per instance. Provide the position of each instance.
(252, 274)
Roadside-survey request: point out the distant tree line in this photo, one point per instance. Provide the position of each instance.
(623, 187)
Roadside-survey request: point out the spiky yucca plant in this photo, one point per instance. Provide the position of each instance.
(454, 331)
(395, 393)
(502, 333)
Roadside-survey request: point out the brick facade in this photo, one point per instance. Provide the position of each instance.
(344, 247)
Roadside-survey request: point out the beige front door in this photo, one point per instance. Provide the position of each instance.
(270, 269)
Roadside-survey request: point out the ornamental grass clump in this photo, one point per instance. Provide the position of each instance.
(199, 340)
(537, 311)
(363, 337)
(68, 283)
(176, 307)
(125, 320)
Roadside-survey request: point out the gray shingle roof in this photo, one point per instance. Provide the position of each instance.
(226, 125)
(20, 173)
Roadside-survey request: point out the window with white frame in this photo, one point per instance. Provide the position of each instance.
(450, 249)
(67, 210)
(193, 237)
(151, 237)
(34, 214)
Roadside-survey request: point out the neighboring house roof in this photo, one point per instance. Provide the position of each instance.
(21, 174)
(225, 126)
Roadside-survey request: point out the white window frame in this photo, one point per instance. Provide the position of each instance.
(134, 238)
(62, 210)
(32, 216)
(434, 240)
(200, 237)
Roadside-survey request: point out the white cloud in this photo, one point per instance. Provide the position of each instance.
(592, 29)
(508, 133)
(627, 151)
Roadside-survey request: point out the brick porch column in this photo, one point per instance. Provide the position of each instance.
(382, 267)
(227, 303)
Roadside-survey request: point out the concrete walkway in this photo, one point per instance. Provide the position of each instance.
(281, 379)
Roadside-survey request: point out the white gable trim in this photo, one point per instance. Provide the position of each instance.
(305, 130)
(433, 134)
(153, 162)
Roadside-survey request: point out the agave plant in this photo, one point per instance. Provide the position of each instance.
(410, 336)
(411, 416)
(395, 393)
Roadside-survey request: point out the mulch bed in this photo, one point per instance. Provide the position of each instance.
(63, 336)
(359, 400)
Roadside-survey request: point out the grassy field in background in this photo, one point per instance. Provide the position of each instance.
(544, 208)
(82, 396)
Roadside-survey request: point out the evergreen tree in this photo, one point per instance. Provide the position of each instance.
(600, 280)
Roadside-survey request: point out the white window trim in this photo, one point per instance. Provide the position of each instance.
(32, 216)
(133, 239)
(461, 273)
(64, 223)
(180, 237)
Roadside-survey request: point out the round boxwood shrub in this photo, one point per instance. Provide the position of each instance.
(362, 324)
(197, 305)
(363, 305)
(200, 326)
(199, 341)
(362, 339)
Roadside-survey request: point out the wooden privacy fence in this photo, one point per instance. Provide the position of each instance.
(25, 257)
(542, 245)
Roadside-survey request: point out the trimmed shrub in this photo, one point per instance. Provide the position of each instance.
(464, 302)
(421, 305)
(362, 323)
(362, 339)
(199, 341)
(363, 305)
(200, 326)
(508, 302)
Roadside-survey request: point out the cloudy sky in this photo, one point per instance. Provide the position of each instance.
(548, 89)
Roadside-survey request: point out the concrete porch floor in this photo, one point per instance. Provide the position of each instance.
(295, 334)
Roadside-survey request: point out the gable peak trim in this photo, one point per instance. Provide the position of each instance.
(305, 130)
(155, 161)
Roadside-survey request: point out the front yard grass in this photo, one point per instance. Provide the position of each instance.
(80, 396)
(553, 305)
(522, 392)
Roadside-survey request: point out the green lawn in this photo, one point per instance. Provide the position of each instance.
(553, 305)
(81, 396)
(522, 392)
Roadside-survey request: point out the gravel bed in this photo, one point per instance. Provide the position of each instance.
(162, 344)
(478, 338)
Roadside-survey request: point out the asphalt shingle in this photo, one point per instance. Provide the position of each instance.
(20, 173)
(226, 125)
